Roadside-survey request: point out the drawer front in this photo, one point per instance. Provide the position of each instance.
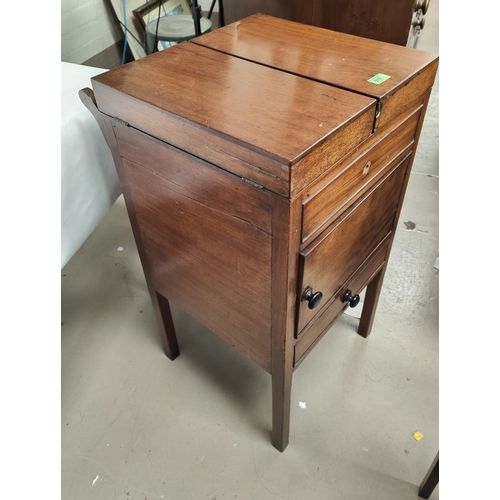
(329, 261)
(356, 283)
(354, 180)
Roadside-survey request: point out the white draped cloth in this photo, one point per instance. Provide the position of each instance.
(89, 184)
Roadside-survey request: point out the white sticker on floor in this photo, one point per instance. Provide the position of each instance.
(120, 249)
(302, 404)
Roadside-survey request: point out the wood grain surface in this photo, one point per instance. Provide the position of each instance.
(334, 256)
(160, 304)
(206, 257)
(362, 277)
(258, 160)
(357, 177)
(275, 115)
(209, 185)
(286, 218)
(385, 20)
(339, 59)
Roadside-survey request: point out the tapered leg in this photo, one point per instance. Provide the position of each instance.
(430, 480)
(286, 241)
(166, 325)
(160, 303)
(370, 305)
(282, 388)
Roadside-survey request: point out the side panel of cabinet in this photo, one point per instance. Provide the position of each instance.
(206, 234)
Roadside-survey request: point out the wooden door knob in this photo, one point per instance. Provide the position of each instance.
(353, 301)
(422, 5)
(419, 24)
(313, 298)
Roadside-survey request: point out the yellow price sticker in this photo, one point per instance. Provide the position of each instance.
(418, 436)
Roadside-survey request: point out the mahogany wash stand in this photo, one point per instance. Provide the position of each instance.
(264, 166)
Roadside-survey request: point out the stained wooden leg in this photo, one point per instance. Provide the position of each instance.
(166, 325)
(285, 264)
(370, 304)
(282, 389)
(430, 480)
(160, 303)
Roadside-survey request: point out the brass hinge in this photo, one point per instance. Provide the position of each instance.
(121, 122)
(378, 110)
(252, 183)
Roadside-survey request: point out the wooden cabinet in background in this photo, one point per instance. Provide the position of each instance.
(264, 167)
(385, 20)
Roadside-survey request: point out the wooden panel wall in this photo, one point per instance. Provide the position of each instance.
(385, 20)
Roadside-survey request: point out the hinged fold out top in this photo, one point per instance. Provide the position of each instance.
(207, 103)
(369, 67)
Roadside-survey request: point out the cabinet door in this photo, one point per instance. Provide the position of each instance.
(343, 247)
(321, 323)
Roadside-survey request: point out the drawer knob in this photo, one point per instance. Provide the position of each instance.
(353, 301)
(313, 298)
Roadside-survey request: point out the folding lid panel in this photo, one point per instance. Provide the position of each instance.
(238, 104)
(368, 67)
